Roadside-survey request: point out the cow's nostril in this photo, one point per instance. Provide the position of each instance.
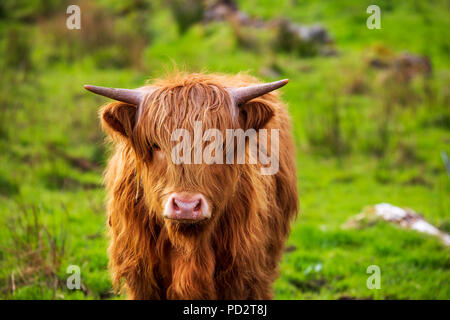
(175, 206)
(186, 206)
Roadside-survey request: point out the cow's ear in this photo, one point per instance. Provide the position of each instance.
(118, 119)
(255, 115)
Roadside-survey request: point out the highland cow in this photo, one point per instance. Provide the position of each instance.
(187, 230)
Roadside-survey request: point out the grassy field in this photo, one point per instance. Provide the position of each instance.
(362, 137)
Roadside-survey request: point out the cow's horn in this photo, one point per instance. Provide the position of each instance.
(131, 96)
(244, 94)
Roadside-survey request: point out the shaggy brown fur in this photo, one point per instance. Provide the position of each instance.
(232, 255)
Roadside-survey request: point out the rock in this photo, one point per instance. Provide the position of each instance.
(405, 218)
(403, 66)
(305, 40)
(228, 10)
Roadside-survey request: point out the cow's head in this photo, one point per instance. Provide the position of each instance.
(186, 195)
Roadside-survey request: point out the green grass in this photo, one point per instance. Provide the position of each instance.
(52, 211)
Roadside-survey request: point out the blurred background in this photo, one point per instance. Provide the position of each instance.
(371, 116)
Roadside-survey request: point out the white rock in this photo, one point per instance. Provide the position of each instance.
(410, 220)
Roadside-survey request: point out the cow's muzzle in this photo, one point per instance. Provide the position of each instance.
(187, 207)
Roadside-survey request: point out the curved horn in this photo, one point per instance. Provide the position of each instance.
(131, 96)
(244, 94)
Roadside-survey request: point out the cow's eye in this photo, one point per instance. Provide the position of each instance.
(155, 147)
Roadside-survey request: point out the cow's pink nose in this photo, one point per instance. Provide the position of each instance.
(186, 207)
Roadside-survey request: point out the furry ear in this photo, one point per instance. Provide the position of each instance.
(255, 114)
(118, 119)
